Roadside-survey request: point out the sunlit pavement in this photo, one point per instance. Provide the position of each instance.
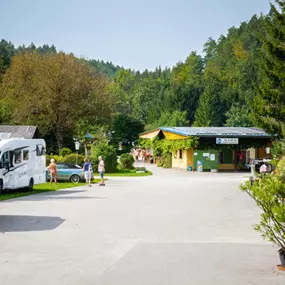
(171, 228)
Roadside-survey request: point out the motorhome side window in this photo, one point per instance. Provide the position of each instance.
(4, 159)
(40, 150)
(18, 156)
(1, 160)
(26, 155)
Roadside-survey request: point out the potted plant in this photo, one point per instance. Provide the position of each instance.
(269, 195)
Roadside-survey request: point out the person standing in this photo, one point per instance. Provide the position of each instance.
(52, 172)
(101, 170)
(87, 171)
(263, 169)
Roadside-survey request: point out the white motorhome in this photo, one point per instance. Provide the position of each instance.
(22, 163)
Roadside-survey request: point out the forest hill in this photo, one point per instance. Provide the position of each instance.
(238, 82)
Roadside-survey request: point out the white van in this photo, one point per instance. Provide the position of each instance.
(22, 163)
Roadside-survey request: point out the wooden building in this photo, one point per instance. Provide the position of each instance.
(220, 148)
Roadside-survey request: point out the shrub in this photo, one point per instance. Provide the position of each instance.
(278, 149)
(71, 158)
(48, 158)
(65, 151)
(141, 169)
(269, 195)
(165, 161)
(108, 154)
(120, 170)
(57, 158)
(127, 161)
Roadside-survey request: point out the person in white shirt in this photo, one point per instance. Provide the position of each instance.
(101, 170)
(263, 169)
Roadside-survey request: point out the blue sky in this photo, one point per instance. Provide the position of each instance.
(136, 34)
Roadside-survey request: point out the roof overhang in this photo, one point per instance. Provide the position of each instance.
(172, 133)
(169, 134)
(149, 135)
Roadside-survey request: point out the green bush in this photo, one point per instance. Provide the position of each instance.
(57, 158)
(71, 158)
(165, 160)
(108, 154)
(65, 151)
(269, 195)
(120, 170)
(127, 161)
(48, 158)
(141, 169)
(281, 168)
(278, 149)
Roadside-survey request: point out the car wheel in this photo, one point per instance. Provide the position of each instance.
(1, 186)
(75, 178)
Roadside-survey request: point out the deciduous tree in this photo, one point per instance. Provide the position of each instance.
(54, 91)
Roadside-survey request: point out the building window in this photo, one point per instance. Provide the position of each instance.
(181, 153)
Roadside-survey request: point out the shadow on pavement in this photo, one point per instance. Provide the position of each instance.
(17, 223)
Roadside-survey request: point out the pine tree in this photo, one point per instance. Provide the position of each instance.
(207, 113)
(269, 104)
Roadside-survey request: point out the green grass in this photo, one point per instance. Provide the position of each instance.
(40, 188)
(128, 174)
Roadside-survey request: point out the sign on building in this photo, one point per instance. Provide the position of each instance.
(226, 140)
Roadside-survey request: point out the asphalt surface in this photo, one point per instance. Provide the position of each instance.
(171, 228)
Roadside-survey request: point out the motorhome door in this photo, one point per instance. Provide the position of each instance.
(6, 167)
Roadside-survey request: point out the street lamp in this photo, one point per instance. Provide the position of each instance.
(267, 150)
(77, 146)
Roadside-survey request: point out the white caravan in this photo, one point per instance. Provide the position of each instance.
(22, 163)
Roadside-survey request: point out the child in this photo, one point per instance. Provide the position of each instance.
(87, 171)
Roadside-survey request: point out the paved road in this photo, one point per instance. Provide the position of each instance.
(172, 228)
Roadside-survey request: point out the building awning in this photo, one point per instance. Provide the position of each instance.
(172, 133)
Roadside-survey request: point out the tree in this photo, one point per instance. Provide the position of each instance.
(269, 104)
(168, 119)
(54, 91)
(107, 68)
(208, 112)
(187, 85)
(125, 131)
(269, 195)
(7, 50)
(239, 116)
(144, 93)
(122, 88)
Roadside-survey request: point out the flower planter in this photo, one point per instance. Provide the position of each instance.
(282, 257)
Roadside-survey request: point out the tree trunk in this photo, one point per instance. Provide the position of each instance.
(59, 140)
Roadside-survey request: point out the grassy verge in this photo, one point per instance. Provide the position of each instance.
(40, 188)
(128, 174)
